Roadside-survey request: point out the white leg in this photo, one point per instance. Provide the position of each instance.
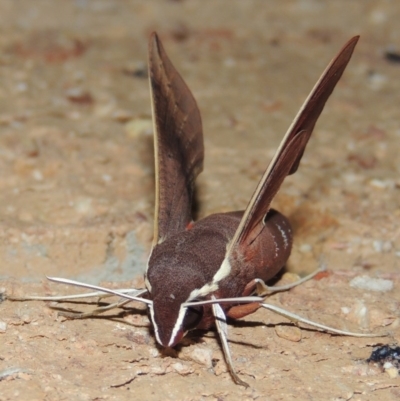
(94, 312)
(296, 318)
(264, 289)
(222, 327)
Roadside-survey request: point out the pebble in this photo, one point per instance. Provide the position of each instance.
(305, 248)
(391, 370)
(202, 356)
(181, 368)
(3, 326)
(138, 127)
(371, 284)
(291, 333)
(382, 184)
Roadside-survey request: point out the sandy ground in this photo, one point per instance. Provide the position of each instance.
(77, 192)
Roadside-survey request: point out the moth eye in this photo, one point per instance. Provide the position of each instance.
(192, 317)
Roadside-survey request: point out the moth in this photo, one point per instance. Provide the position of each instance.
(200, 273)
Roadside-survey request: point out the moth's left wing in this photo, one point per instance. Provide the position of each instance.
(178, 143)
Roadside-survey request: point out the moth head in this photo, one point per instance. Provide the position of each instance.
(172, 321)
(171, 287)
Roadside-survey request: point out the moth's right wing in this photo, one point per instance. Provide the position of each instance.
(178, 143)
(290, 151)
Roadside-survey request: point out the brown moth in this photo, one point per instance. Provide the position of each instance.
(199, 273)
(225, 254)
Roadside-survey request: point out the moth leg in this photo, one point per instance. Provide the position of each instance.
(94, 312)
(297, 319)
(222, 327)
(239, 311)
(263, 289)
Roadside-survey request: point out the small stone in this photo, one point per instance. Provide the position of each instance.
(371, 284)
(3, 326)
(220, 368)
(291, 333)
(202, 356)
(83, 205)
(154, 353)
(382, 184)
(387, 246)
(391, 370)
(181, 368)
(122, 116)
(138, 127)
(79, 95)
(26, 319)
(377, 81)
(37, 175)
(305, 248)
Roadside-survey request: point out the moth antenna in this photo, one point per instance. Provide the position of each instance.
(264, 289)
(98, 288)
(99, 294)
(76, 315)
(237, 300)
(222, 328)
(296, 319)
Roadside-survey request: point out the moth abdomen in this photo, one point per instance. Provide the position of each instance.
(273, 246)
(265, 255)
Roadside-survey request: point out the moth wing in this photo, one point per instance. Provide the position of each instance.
(292, 146)
(178, 143)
